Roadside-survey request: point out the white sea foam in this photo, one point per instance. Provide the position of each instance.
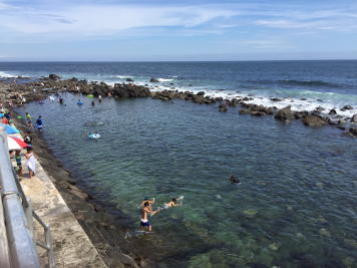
(6, 75)
(123, 76)
(304, 101)
(165, 80)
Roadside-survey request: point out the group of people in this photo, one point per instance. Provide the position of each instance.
(38, 123)
(147, 210)
(6, 119)
(30, 161)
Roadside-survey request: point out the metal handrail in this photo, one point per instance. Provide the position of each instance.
(22, 250)
(18, 215)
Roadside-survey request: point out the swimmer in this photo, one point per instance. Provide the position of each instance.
(146, 210)
(93, 103)
(172, 203)
(234, 180)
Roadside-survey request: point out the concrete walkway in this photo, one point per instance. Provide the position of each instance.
(72, 246)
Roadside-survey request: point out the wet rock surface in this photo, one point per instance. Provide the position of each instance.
(313, 121)
(285, 114)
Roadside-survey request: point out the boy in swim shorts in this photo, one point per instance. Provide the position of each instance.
(146, 210)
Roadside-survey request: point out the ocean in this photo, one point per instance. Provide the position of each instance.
(296, 203)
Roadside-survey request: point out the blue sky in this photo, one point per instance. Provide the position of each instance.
(177, 30)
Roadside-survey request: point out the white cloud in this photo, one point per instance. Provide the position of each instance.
(104, 19)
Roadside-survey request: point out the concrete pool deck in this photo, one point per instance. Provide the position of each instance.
(72, 247)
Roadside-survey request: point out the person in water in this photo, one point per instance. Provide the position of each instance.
(93, 103)
(172, 203)
(28, 120)
(146, 210)
(147, 199)
(39, 123)
(234, 180)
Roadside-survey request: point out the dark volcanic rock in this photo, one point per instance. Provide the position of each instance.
(165, 95)
(130, 91)
(313, 121)
(319, 109)
(154, 80)
(129, 80)
(223, 108)
(353, 131)
(354, 118)
(201, 93)
(285, 114)
(275, 99)
(301, 114)
(346, 107)
(54, 77)
(332, 112)
(257, 113)
(244, 111)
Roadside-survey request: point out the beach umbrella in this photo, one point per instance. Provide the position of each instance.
(1, 115)
(16, 135)
(19, 117)
(90, 96)
(10, 129)
(15, 143)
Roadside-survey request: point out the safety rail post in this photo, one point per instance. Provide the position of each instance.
(22, 249)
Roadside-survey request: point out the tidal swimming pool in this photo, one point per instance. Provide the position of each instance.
(295, 206)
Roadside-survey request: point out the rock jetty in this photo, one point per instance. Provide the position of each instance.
(18, 94)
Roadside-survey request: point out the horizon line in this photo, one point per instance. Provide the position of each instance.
(157, 61)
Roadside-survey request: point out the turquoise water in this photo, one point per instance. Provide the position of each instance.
(295, 206)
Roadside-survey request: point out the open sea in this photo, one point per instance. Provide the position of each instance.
(296, 205)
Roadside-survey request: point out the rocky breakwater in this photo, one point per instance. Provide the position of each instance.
(317, 118)
(18, 94)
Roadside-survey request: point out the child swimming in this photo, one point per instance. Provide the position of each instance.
(174, 202)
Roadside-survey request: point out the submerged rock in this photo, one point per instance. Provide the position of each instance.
(353, 131)
(222, 108)
(354, 118)
(274, 246)
(250, 213)
(324, 232)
